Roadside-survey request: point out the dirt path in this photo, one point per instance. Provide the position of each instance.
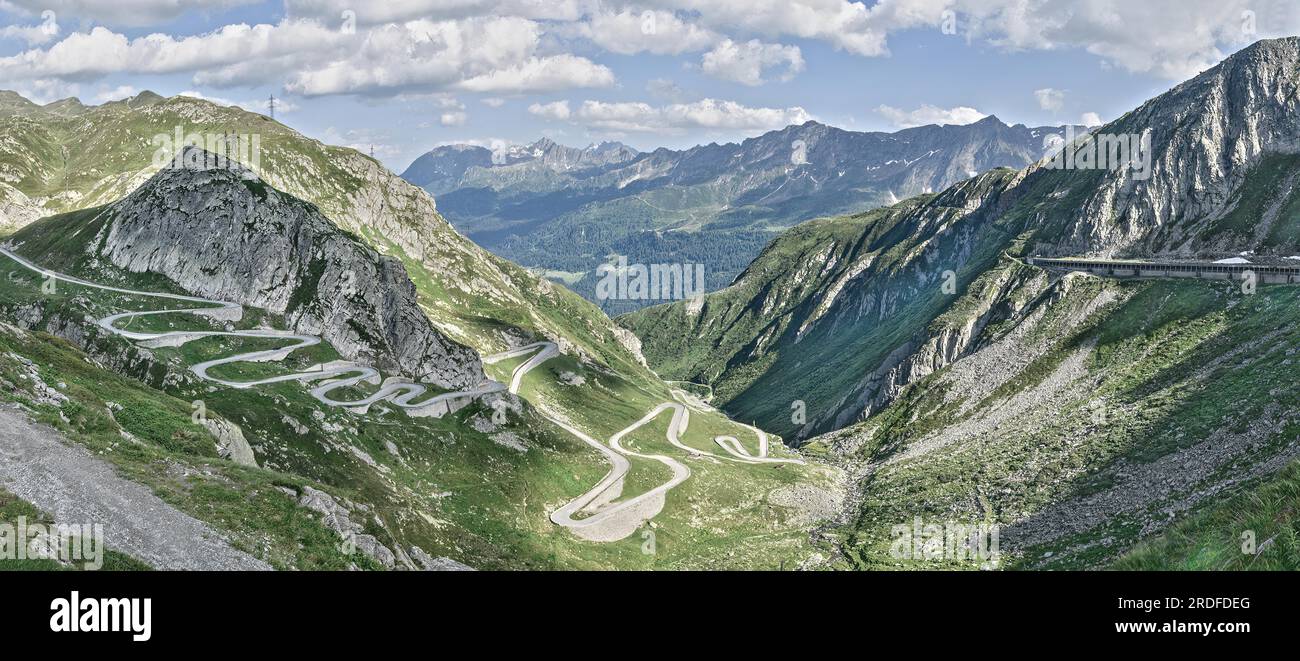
(74, 487)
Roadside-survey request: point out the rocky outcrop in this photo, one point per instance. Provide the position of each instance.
(946, 341)
(338, 518)
(231, 443)
(430, 563)
(225, 234)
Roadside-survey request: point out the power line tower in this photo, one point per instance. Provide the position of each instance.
(271, 105)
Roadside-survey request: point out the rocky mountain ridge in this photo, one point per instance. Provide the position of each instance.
(1207, 192)
(711, 204)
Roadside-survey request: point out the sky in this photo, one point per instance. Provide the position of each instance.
(405, 76)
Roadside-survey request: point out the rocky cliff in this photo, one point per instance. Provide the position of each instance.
(226, 234)
(1223, 168)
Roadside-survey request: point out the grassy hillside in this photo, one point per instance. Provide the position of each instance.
(1095, 415)
(1256, 528)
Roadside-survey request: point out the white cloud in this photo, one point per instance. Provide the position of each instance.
(629, 32)
(397, 11)
(928, 114)
(1174, 39)
(677, 117)
(493, 102)
(106, 94)
(47, 90)
(453, 118)
(745, 62)
(679, 25)
(1050, 99)
(497, 54)
(846, 25)
(490, 55)
(1091, 119)
(130, 13)
(32, 34)
(666, 89)
(542, 74)
(559, 110)
(101, 51)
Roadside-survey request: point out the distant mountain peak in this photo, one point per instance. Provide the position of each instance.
(545, 143)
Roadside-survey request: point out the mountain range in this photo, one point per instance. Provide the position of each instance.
(565, 211)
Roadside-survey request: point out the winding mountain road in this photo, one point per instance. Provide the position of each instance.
(604, 520)
(400, 393)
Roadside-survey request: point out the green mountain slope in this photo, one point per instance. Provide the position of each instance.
(1090, 418)
(61, 162)
(814, 318)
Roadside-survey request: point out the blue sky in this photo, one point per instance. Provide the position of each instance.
(407, 75)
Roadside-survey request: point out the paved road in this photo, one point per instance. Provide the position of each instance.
(617, 521)
(400, 393)
(731, 444)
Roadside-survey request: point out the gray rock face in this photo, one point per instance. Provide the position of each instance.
(226, 235)
(1207, 135)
